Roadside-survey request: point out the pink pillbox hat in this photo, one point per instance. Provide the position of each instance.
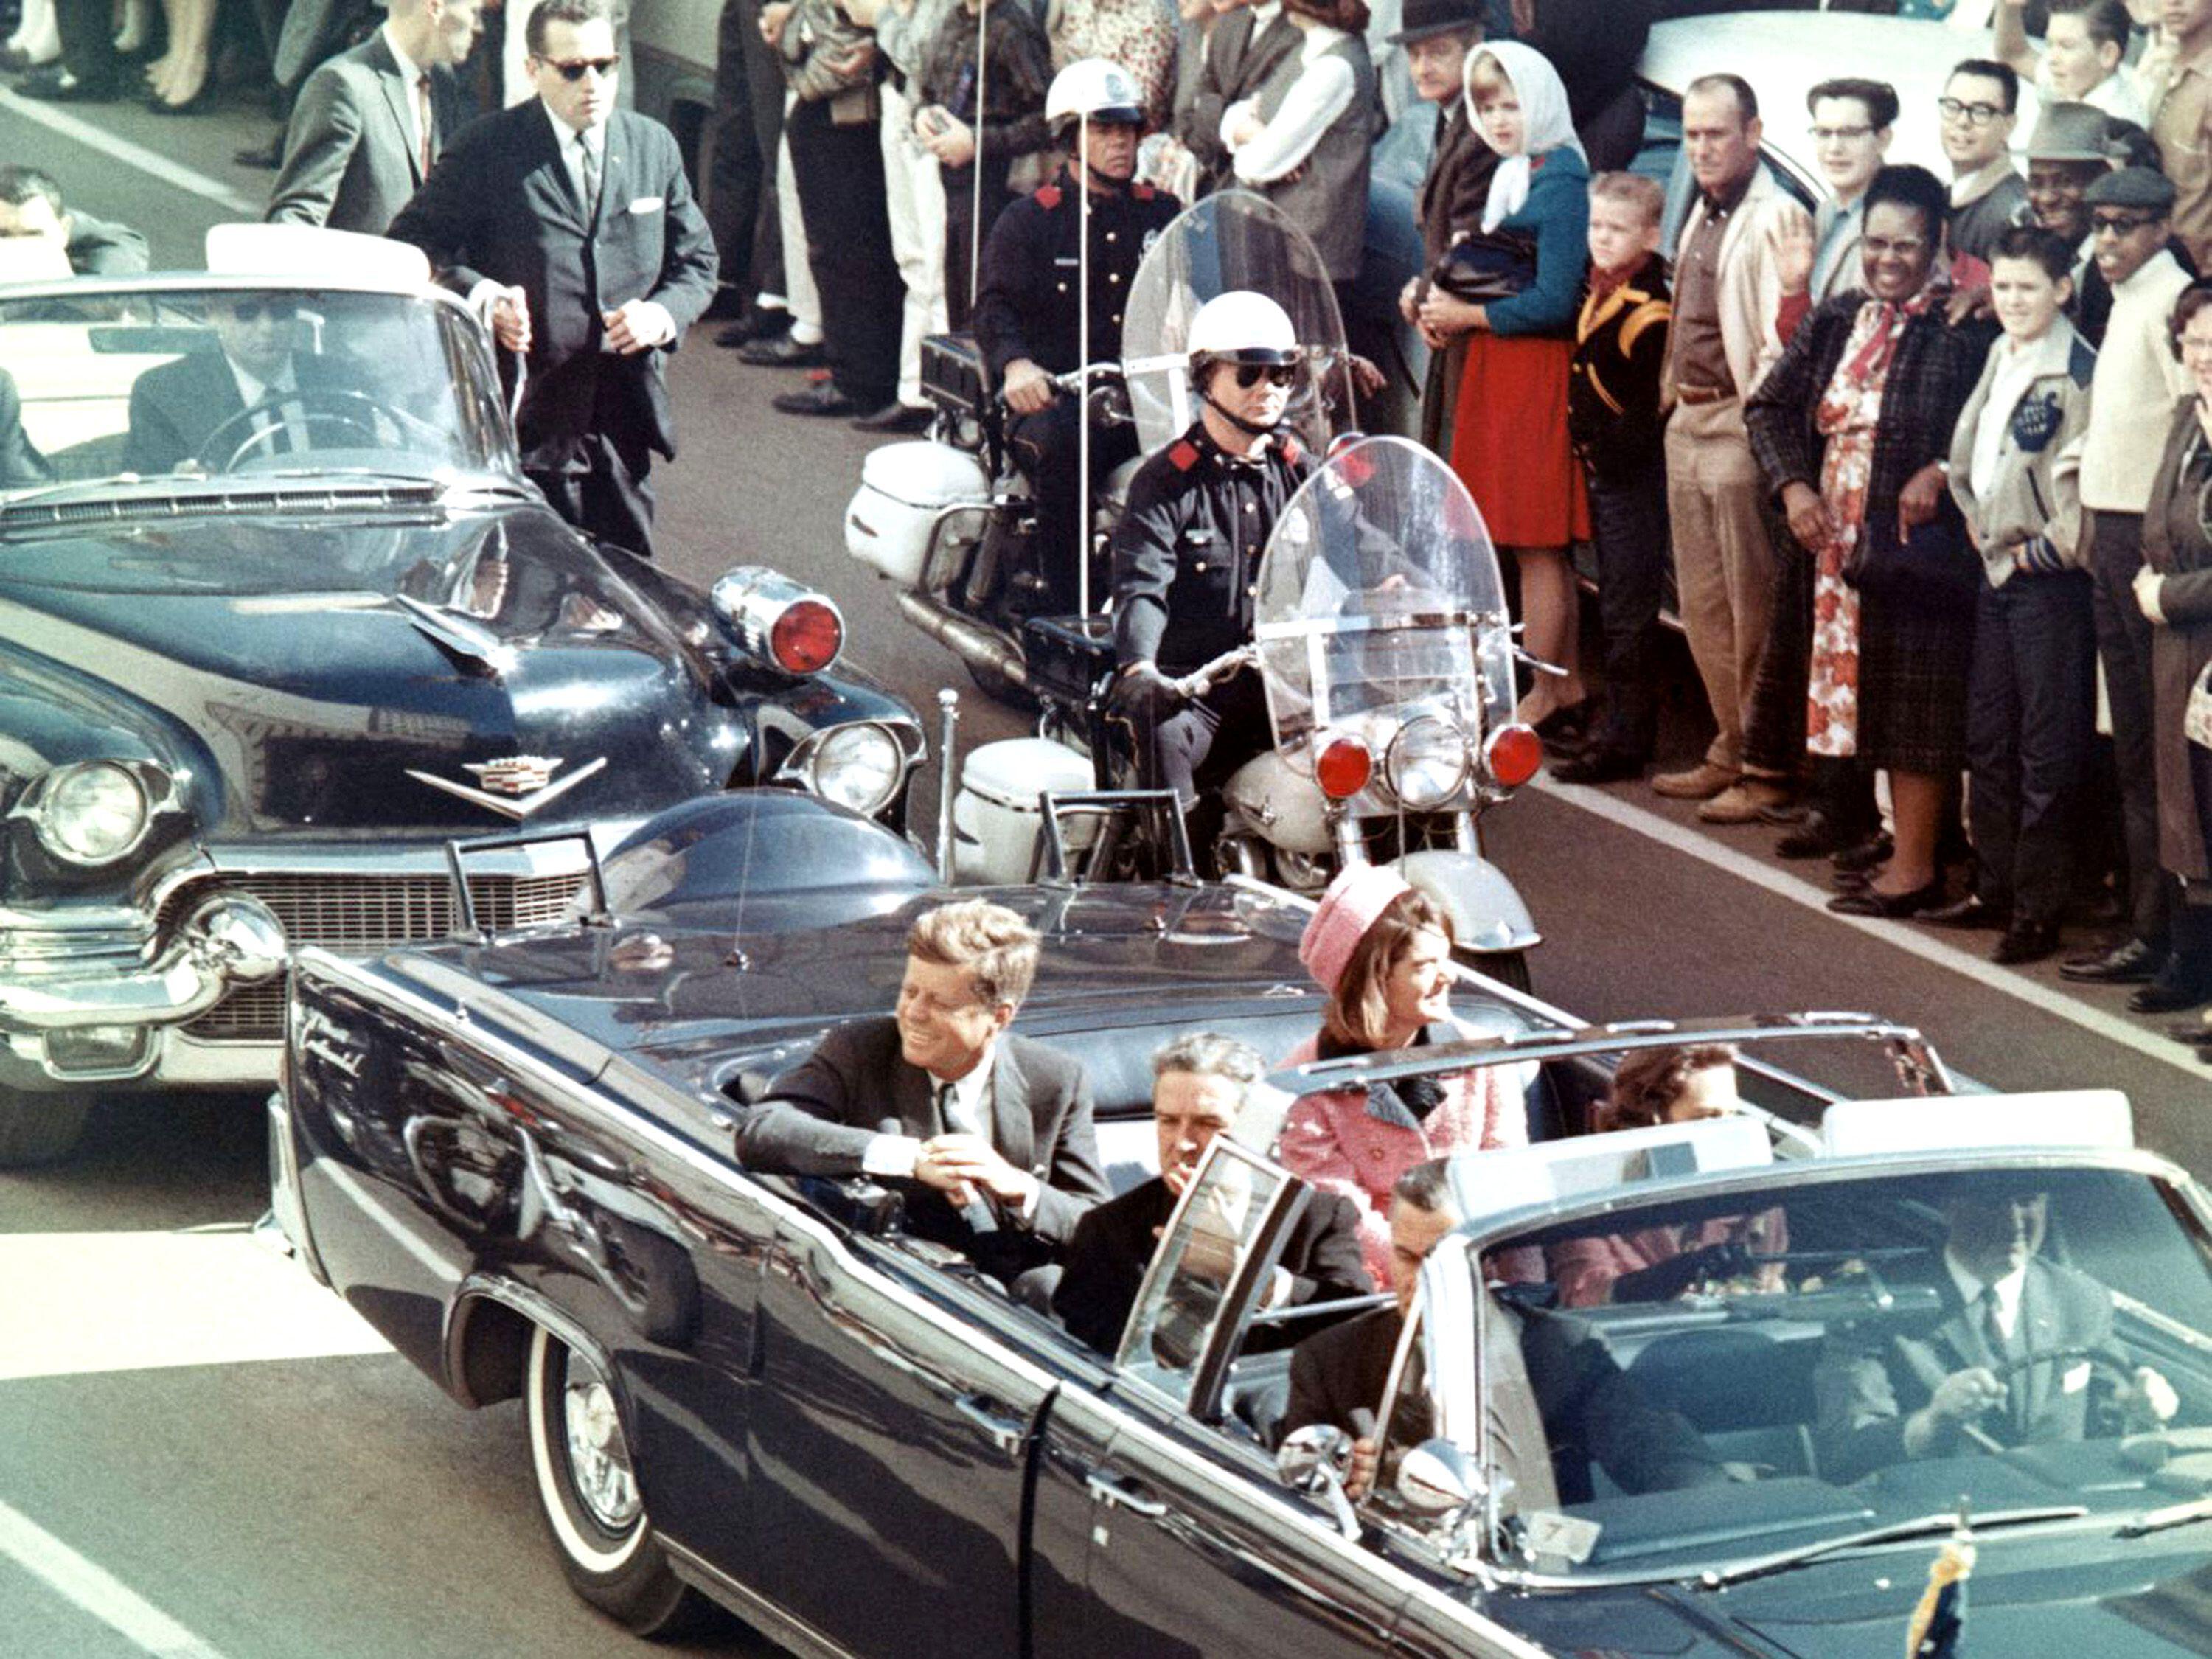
(1358, 896)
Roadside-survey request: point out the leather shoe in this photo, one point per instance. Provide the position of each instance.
(823, 398)
(2130, 962)
(783, 352)
(2024, 941)
(1889, 907)
(1815, 838)
(763, 325)
(1744, 801)
(1701, 782)
(896, 417)
(1564, 731)
(1865, 855)
(1971, 911)
(56, 84)
(1601, 764)
(269, 156)
(2183, 983)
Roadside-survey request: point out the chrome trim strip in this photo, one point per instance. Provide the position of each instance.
(749, 1605)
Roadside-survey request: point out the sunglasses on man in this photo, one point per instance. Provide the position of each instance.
(572, 69)
(1250, 375)
(252, 311)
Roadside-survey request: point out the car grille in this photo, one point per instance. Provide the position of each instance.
(348, 912)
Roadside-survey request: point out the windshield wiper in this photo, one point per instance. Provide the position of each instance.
(1925, 1526)
(2174, 1515)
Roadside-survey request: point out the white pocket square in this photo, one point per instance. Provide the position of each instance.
(647, 204)
(2076, 1378)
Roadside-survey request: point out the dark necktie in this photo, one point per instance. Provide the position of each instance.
(591, 179)
(424, 126)
(1993, 1331)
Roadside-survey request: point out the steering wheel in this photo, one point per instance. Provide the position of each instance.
(2110, 1412)
(351, 411)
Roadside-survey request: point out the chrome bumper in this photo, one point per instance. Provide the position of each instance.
(228, 941)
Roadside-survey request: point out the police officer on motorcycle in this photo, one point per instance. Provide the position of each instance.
(1186, 554)
(1029, 304)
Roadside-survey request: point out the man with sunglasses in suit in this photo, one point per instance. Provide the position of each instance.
(1187, 553)
(570, 226)
(177, 407)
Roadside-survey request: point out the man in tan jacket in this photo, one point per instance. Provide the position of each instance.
(1728, 292)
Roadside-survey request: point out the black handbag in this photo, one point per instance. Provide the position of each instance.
(1483, 268)
(1933, 559)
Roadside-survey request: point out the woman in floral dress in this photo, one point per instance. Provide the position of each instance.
(1864, 400)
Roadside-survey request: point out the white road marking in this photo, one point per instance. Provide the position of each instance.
(1900, 936)
(96, 1590)
(149, 162)
(73, 1303)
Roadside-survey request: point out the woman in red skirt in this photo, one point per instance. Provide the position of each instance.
(1510, 290)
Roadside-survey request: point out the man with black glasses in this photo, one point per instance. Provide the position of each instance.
(1186, 552)
(1979, 104)
(569, 225)
(176, 408)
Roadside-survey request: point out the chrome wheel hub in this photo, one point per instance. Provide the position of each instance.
(598, 1456)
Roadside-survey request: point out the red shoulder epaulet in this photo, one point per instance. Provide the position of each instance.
(1143, 192)
(1048, 197)
(1183, 455)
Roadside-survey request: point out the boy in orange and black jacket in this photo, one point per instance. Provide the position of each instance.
(1614, 415)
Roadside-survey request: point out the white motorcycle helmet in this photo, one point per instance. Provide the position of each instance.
(1096, 88)
(1240, 327)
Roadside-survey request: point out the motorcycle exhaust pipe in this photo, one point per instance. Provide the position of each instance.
(969, 640)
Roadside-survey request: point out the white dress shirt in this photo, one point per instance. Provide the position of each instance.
(2008, 1290)
(414, 75)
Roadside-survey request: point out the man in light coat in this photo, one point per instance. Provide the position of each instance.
(1727, 296)
(369, 122)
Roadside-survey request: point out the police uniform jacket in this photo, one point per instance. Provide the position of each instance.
(1186, 551)
(498, 205)
(1027, 306)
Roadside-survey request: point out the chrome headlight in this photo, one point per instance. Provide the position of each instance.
(858, 766)
(1426, 764)
(91, 813)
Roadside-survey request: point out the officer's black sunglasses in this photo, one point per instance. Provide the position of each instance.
(573, 68)
(1250, 375)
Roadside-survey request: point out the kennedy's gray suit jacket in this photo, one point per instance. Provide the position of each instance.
(350, 161)
(824, 1112)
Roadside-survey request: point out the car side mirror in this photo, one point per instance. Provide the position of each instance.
(1437, 1479)
(1317, 1459)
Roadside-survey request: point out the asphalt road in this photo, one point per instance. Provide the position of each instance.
(201, 1454)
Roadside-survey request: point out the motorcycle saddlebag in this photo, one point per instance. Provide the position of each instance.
(1067, 656)
(954, 376)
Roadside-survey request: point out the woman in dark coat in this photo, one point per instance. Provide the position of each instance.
(2175, 592)
(1852, 428)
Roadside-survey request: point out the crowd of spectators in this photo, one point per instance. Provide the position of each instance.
(1929, 464)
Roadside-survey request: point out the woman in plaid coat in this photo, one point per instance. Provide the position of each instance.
(1852, 428)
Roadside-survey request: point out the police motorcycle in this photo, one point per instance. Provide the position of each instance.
(949, 519)
(1384, 646)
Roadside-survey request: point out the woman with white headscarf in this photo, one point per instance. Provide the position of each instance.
(1511, 291)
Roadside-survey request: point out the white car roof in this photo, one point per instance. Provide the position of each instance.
(1785, 54)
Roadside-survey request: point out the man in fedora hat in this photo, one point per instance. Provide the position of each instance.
(1436, 37)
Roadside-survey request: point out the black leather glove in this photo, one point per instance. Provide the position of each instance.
(1666, 1280)
(1142, 692)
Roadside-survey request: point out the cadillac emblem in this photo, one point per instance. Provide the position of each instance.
(513, 787)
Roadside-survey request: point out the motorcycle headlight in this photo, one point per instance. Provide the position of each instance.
(1426, 764)
(91, 813)
(857, 766)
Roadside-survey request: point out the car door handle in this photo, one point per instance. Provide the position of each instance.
(1116, 1492)
(1004, 1432)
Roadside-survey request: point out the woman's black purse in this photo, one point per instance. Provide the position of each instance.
(1482, 268)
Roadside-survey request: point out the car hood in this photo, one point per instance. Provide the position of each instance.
(326, 668)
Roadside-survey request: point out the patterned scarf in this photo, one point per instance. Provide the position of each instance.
(1870, 368)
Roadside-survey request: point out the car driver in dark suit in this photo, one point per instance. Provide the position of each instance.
(569, 225)
(1199, 1083)
(1975, 1380)
(369, 123)
(1589, 1410)
(177, 407)
(992, 1130)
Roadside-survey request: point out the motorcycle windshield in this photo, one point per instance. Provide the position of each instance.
(1380, 610)
(1230, 242)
